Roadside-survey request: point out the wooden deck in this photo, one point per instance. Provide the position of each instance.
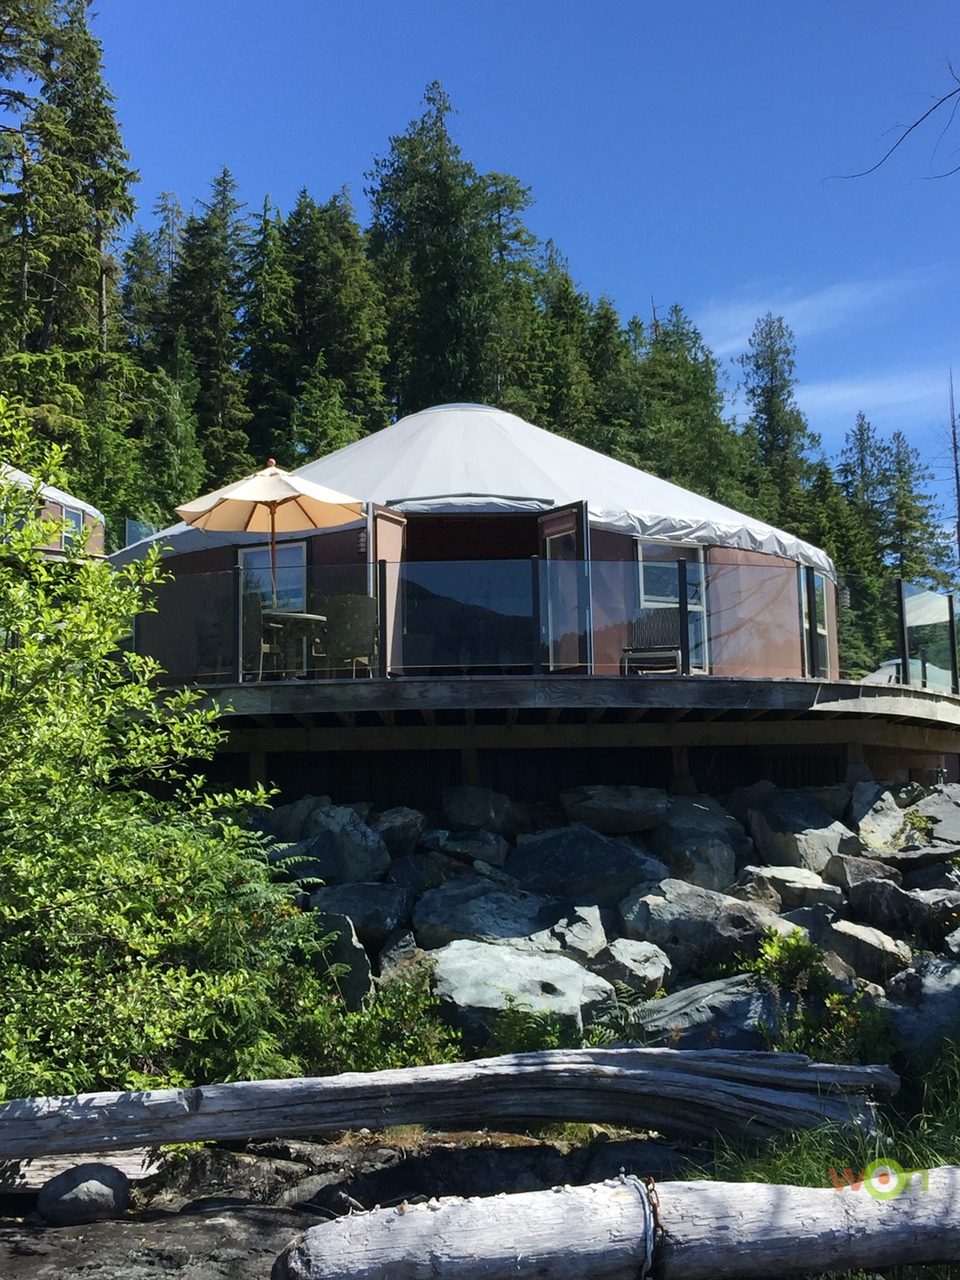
(424, 713)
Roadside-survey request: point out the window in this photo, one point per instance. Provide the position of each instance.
(816, 663)
(659, 591)
(257, 578)
(73, 526)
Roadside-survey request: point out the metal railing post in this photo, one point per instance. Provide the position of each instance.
(382, 659)
(903, 636)
(535, 618)
(684, 617)
(952, 640)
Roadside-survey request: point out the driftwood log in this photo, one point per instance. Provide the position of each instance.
(711, 1231)
(676, 1092)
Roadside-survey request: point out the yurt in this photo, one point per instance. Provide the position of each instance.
(491, 546)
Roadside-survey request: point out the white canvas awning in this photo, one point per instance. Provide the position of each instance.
(466, 457)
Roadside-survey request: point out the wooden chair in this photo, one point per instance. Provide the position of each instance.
(349, 638)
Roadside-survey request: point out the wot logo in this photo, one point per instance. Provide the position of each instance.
(882, 1179)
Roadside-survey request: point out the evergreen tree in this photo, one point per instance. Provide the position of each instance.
(430, 238)
(269, 359)
(204, 300)
(915, 542)
(783, 438)
(568, 395)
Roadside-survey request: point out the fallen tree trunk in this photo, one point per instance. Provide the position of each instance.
(676, 1092)
(710, 1231)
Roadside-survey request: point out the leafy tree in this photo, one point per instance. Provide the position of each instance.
(204, 300)
(783, 439)
(143, 940)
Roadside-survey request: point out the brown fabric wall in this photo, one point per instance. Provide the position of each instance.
(615, 595)
(753, 603)
(483, 537)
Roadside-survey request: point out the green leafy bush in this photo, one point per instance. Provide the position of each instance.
(143, 940)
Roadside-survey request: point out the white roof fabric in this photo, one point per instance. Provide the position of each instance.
(50, 492)
(471, 457)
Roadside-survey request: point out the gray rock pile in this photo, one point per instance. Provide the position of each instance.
(545, 908)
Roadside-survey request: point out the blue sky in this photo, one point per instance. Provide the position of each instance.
(680, 152)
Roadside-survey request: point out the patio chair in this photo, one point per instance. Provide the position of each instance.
(655, 644)
(349, 637)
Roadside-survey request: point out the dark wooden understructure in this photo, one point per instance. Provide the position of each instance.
(898, 730)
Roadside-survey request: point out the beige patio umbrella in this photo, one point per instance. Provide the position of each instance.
(271, 501)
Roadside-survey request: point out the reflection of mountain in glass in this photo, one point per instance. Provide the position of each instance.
(468, 615)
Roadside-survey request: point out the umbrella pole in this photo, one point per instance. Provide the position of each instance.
(273, 552)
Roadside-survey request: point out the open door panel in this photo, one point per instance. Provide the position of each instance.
(565, 622)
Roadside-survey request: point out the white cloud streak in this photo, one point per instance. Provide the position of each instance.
(727, 325)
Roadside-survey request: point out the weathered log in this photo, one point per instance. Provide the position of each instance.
(674, 1092)
(711, 1231)
(25, 1176)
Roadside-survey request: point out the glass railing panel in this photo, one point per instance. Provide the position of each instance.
(466, 616)
(867, 629)
(927, 629)
(755, 619)
(193, 632)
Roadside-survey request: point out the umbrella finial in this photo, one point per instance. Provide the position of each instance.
(271, 462)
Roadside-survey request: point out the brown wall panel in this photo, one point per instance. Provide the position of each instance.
(753, 605)
(481, 537)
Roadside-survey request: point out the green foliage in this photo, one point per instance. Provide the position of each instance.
(518, 1029)
(398, 1026)
(142, 940)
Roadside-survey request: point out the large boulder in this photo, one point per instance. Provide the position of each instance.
(876, 815)
(726, 1014)
(845, 870)
(477, 981)
(794, 886)
(870, 952)
(344, 847)
(90, 1192)
(345, 952)
(582, 865)
(698, 857)
(469, 807)
(468, 846)
(640, 965)
(400, 829)
(791, 830)
(925, 1002)
(706, 816)
(376, 909)
(287, 820)
(696, 927)
(834, 797)
(418, 872)
(939, 812)
(615, 811)
(471, 907)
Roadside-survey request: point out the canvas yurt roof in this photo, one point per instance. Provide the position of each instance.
(474, 458)
(50, 492)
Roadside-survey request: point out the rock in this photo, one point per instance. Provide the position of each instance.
(834, 798)
(345, 847)
(695, 927)
(583, 865)
(615, 810)
(871, 954)
(477, 807)
(941, 810)
(845, 870)
(791, 830)
(287, 820)
(418, 872)
(725, 1014)
(951, 944)
(943, 875)
(701, 813)
(640, 965)
(400, 829)
(470, 907)
(399, 949)
(477, 981)
(375, 909)
(876, 815)
(814, 920)
(908, 793)
(916, 858)
(86, 1193)
(927, 1010)
(344, 949)
(795, 886)
(468, 846)
(697, 857)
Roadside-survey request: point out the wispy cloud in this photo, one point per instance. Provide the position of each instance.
(727, 324)
(917, 395)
